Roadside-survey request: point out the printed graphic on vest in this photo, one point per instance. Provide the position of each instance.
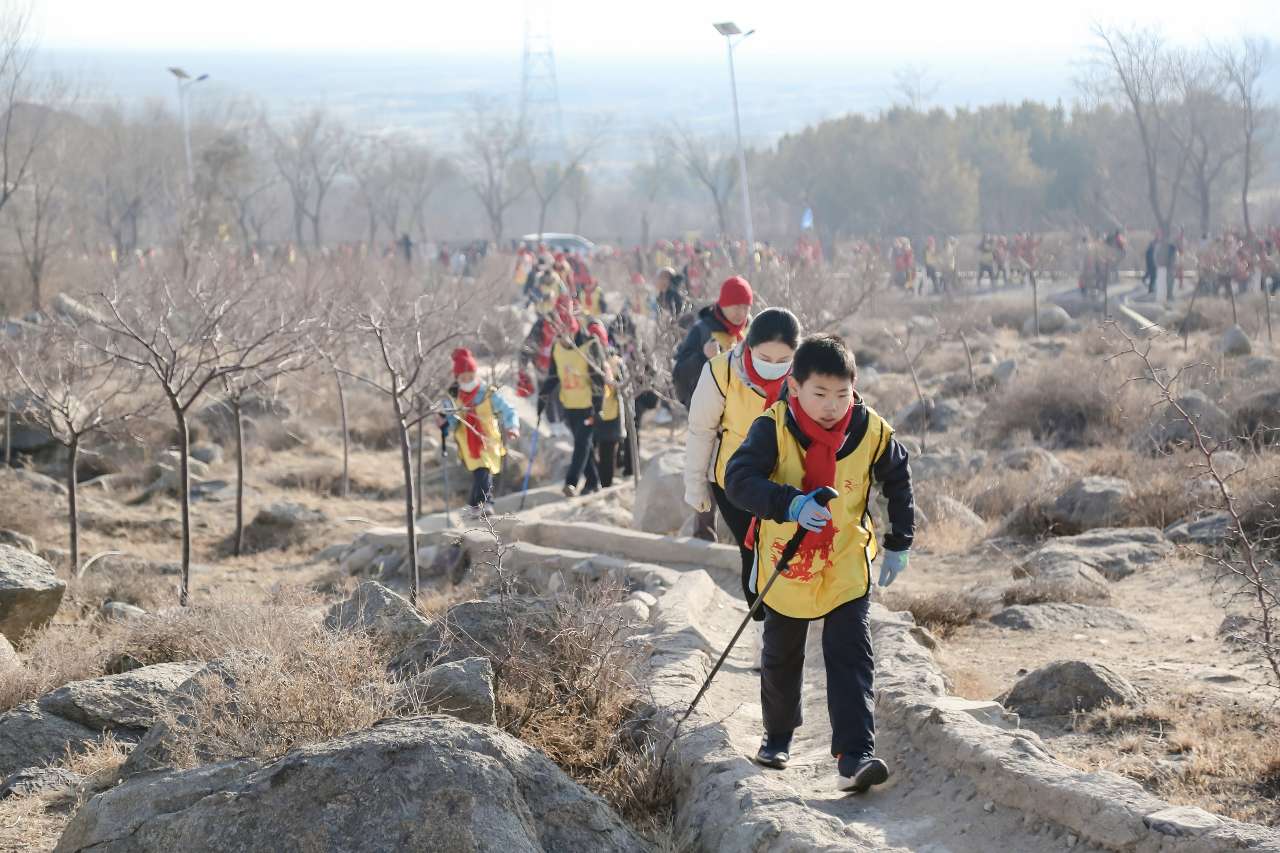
(814, 545)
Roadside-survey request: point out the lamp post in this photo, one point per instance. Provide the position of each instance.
(185, 82)
(728, 29)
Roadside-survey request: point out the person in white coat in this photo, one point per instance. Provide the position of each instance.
(734, 388)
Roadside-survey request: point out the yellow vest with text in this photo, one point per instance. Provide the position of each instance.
(575, 376)
(742, 405)
(491, 454)
(818, 581)
(725, 340)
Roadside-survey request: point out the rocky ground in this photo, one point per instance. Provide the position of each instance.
(1055, 572)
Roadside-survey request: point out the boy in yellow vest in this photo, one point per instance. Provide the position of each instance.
(579, 371)
(480, 419)
(822, 435)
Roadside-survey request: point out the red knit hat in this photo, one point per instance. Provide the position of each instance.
(464, 362)
(596, 328)
(735, 291)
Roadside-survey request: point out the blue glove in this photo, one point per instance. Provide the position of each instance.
(892, 565)
(808, 513)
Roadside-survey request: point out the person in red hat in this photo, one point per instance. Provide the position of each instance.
(719, 328)
(482, 423)
(578, 376)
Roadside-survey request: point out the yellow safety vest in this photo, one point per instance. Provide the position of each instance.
(491, 454)
(591, 301)
(575, 376)
(725, 340)
(818, 581)
(609, 409)
(742, 405)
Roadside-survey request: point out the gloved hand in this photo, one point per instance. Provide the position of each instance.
(808, 513)
(513, 434)
(892, 565)
(698, 497)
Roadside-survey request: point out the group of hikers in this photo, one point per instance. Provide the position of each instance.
(775, 421)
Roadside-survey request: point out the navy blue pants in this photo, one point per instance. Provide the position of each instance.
(481, 487)
(583, 446)
(846, 647)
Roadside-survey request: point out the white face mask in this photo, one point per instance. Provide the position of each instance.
(469, 386)
(772, 370)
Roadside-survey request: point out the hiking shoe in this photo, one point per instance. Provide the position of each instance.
(775, 751)
(570, 491)
(858, 776)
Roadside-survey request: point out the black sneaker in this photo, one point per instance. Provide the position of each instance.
(858, 776)
(775, 751)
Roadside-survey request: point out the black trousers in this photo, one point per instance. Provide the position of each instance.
(583, 459)
(606, 457)
(846, 648)
(739, 521)
(481, 487)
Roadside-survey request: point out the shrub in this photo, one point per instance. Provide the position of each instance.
(941, 612)
(1069, 403)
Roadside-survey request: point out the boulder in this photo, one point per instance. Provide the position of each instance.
(31, 736)
(29, 592)
(384, 614)
(659, 503)
(1169, 429)
(1182, 822)
(119, 611)
(1210, 530)
(9, 659)
(1063, 687)
(38, 780)
(1235, 342)
(1053, 319)
(938, 508)
(938, 415)
(422, 784)
(126, 704)
(281, 525)
(945, 464)
(1064, 617)
(1090, 502)
(220, 423)
(207, 452)
(40, 482)
(484, 628)
(1037, 460)
(17, 540)
(1257, 417)
(461, 688)
(1113, 553)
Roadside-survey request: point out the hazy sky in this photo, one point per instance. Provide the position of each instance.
(912, 30)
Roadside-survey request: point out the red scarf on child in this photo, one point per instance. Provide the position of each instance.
(737, 332)
(824, 444)
(544, 351)
(772, 387)
(475, 438)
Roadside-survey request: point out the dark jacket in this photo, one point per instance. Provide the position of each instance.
(690, 357)
(590, 346)
(748, 486)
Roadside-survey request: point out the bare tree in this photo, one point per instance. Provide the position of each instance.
(310, 154)
(1244, 65)
(1202, 126)
(650, 179)
(180, 334)
(491, 166)
(548, 178)
(130, 162)
(916, 86)
(38, 220)
(26, 119)
(577, 190)
(710, 165)
(368, 163)
(419, 175)
(73, 390)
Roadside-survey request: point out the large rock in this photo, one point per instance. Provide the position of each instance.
(30, 736)
(384, 614)
(937, 415)
(1063, 687)
(1064, 617)
(659, 504)
(9, 660)
(946, 464)
(29, 592)
(477, 628)
(1210, 530)
(127, 703)
(1090, 502)
(281, 525)
(38, 780)
(1235, 342)
(1053, 319)
(462, 689)
(1036, 460)
(1169, 429)
(1257, 417)
(944, 508)
(425, 784)
(218, 419)
(1113, 553)
(21, 541)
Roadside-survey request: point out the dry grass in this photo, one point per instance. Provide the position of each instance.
(949, 536)
(1226, 760)
(31, 824)
(941, 612)
(1075, 401)
(1040, 591)
(26, 510)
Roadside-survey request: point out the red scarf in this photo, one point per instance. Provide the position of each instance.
(772, 387)
(475, 438)
(820, 458)
(736, 332)
(544, 350)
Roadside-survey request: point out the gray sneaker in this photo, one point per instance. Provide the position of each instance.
(860, 776)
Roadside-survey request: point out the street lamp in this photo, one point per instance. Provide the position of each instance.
(728, 29)
(185, 82)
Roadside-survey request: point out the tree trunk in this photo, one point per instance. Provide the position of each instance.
(1035, 303)
(184, 485)
(8, 435)
(236, 413)
(644, 236)
(721, 219)
(418, 463)
(1204, 207)
(1244, 188)
(36, 295)
(406, 466)
(73, 516)
(346, 435)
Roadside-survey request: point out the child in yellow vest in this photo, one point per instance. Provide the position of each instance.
(822, 435)
(579, 371)
(480, 420)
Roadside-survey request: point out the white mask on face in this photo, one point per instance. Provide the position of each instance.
(772, 370)
(469, 386)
